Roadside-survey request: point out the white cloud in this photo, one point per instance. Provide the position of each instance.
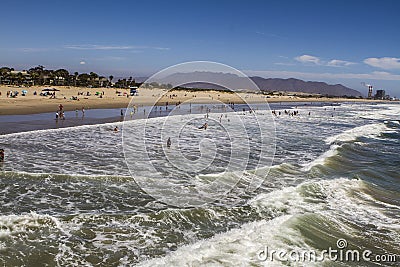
(161, 48)
(383, 62)
(284, 64)
(82, 62)
(376, 75)
(98, 47)
(308, 59)
(339, 63)
(111, 47)
(109, 58)
(34, 49)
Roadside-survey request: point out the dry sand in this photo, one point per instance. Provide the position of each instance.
(117, 98)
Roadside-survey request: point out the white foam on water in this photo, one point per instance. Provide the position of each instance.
(335, 199)
(369, 130)
(387, 111)
(237, 247)
(62, 129)
(332, 199)
(321, 159)
(16, 224)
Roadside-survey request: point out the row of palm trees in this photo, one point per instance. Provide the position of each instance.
(41, 76)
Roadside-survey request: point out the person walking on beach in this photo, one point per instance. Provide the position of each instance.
(60, 107)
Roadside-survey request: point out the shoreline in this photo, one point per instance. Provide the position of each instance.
(41, 121)
(112, 98)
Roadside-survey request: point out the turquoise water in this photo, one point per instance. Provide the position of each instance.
(67, 196)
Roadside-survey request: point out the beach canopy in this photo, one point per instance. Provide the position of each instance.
(50, 90)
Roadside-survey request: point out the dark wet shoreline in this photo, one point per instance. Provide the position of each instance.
(42, 121)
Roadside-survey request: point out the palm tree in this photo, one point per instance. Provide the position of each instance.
(20, 78)
(37, 74)
(93, 77)
(111, 78)
(83, 79)
(5, 74)
(61, 74)
(76, 77)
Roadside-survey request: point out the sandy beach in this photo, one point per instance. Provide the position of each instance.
(119, 98)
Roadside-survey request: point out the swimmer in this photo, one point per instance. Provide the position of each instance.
(169, 142)
(2, 155)
(116, 129)
(204, 126)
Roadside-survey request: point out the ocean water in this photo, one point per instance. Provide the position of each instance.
(67, 197)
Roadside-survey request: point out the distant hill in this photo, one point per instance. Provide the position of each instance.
(296, 85)
(196, 80)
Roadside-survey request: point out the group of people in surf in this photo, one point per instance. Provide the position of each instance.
(290, 113)
(61, 115)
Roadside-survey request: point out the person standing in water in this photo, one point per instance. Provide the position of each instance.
(169, 142)
(2, 156)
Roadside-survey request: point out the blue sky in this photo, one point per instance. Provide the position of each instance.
(346, 42)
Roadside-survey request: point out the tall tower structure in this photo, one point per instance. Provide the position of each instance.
(370, 89)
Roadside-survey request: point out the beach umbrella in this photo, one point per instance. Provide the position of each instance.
(24, 91)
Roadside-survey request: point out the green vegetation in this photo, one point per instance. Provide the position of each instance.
(61, 77)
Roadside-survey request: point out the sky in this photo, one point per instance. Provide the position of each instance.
(346, 42)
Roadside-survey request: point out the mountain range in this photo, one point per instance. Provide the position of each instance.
(212, 80)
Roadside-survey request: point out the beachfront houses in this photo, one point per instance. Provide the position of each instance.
(15, 77)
